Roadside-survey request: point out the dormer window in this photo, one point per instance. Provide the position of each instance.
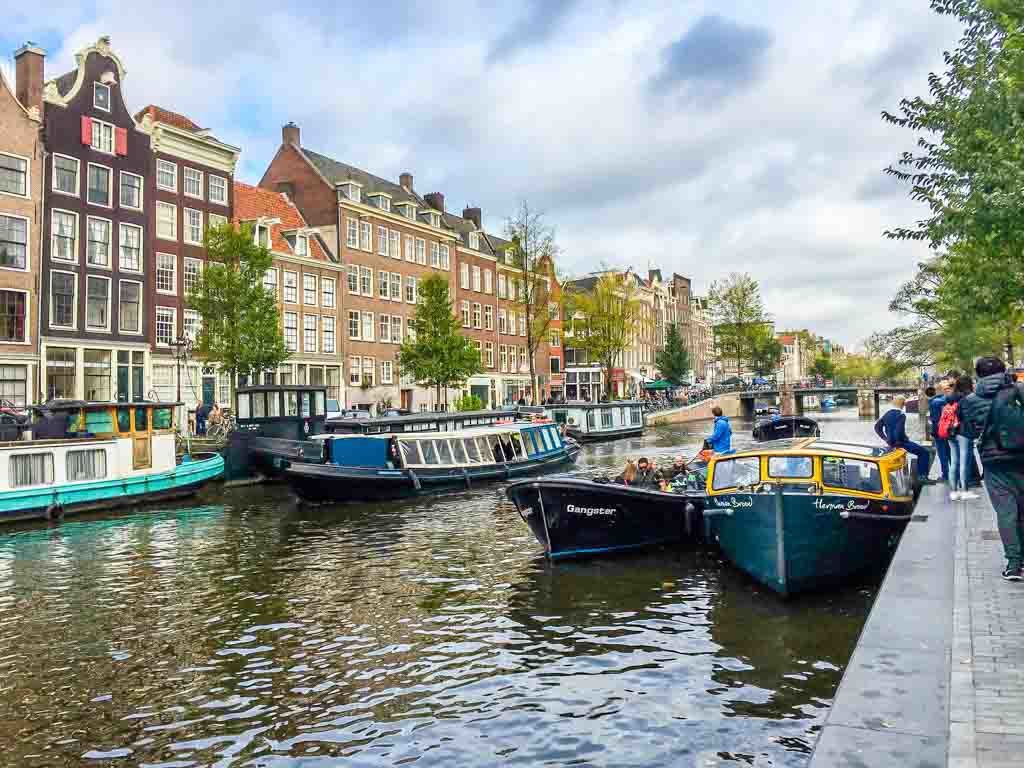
(508, 256)
(381, 201)
(408, 210)
(261, 234)
(352, 191)
(299, 244)
(435, 219)
(474, 241)
(101, 96)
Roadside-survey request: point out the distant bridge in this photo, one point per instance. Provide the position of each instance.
(749, 397)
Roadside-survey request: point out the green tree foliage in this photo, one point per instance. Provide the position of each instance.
(737, 312)
(604, 320)
(823, 367)
(240, 326)
(967, 167)
(469, 403)
(765, 350)
(674, 360)
(437, 354)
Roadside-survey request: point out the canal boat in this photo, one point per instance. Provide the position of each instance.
(781, 427)
(576, 517)
(77, 456)
(805, 514)
(593, 422)
(370, 464)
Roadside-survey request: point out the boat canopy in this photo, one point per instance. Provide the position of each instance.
(422, 422)
(281, 401)
(60, 419)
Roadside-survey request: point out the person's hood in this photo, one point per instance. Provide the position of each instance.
(987, 386)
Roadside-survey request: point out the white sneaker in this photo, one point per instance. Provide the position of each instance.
(954, 495)
(964, 495)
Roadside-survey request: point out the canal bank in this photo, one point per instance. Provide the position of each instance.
(937, 676)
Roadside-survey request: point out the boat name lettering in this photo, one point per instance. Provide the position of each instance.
(734, 503)
(832, 506)
(590, 511)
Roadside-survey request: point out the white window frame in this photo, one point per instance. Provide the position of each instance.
(215, 220)
(198, 325)
(384, 328)
(110, 243)
(395, 244)
(74, 300)
(324, 293)
(396, 329)
(359, 324)
(410, 249)
(489, 317)
(435, 255)
(305, 249)
(110, 186)
(373, 329)
(78, 176)
(142, 302)
(328, 321)
(285, 286)
(446, 257)
(421, 251)
(142, 191)
(488, 282)
(210, 186)
(382, 242)
(396, 277)
(366, 272)
(474, 241)
(186, 235)
(28, 177)
(386, 372)
(174, 274)
(316, 333)
(142, 247)
(285, 328)
(96, 87)
(271, 289)
(28, 318)
(113, 137)
(365, 228)
(184, 183)
(351, 228)
(477, 279)
(478, 315)
(410, 281)
(465, 314)
(53, 235)
(169, 164)
(156, 325)
(316, 290)
(174, 219)
(93, 328)
(28, 243)
(383, 279)
(184, 272)
(464, 276)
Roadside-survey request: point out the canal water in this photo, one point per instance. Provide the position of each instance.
(241, 630)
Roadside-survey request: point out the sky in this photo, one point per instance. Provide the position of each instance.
(695, 137)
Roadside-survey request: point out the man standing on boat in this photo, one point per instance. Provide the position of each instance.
(892, 429)
(721, 434)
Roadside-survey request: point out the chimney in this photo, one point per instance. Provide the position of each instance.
(472, 214)
(435, 200)
(29, 75)
(405, 181)
(290, 134)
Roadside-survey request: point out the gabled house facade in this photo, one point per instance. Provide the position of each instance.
(97, 279)
(21, 190)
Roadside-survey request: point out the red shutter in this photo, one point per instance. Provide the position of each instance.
(86, 130)
(120, 141)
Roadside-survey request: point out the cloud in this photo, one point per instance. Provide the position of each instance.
(540, 21)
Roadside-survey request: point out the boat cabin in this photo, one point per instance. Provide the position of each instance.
(599, 421)
(422, 422)
(288, 411)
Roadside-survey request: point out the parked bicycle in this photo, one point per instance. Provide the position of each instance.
(221, 429)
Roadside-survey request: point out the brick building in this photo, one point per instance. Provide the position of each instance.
(21, 191)
(307, 281)
(193, 178)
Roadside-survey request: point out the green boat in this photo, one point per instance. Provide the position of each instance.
(807, 514)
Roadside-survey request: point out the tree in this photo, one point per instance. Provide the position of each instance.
(604, 319)
(674, 360)
(436, 354)
(736, 312)
(240, 327)
(469, 403)
(823, 367)
(533, 255)
(765, 350)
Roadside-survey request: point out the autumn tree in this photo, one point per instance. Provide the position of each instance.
(604, 319)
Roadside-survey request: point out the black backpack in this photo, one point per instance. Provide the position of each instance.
(1006, 419)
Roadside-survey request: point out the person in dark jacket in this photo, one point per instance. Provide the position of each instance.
(936, 402)
(646, 474)
(892, 429)
(961, 446)
(1004, 471)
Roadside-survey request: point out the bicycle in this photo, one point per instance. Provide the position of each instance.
(221, 429)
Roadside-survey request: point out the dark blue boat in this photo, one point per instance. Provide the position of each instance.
(781, 427)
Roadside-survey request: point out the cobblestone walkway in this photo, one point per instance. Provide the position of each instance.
(987, 677)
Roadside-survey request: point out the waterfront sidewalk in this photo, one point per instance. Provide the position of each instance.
(987, 666)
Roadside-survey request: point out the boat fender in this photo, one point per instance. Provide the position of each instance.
(465, 475)
(415, 480)
(717, 512)
(55, 511)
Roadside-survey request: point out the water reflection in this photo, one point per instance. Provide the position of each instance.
(256, 633)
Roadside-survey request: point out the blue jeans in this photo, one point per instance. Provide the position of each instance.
(942, 451)
(961, 459)
(924, 457)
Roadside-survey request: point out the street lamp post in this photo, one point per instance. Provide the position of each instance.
(182, 351)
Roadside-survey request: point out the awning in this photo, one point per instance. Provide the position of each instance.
(659, 384)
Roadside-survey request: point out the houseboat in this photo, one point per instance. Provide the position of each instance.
(804, 514)
(592, 422)
(77, 456)
(780, 427)
(415, 455)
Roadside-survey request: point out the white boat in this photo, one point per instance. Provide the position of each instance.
(591, 422)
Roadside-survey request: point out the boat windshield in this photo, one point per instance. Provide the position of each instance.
(736, 473)
(851, 474)
(791, 466)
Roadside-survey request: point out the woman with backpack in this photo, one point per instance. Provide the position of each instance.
(961, 447)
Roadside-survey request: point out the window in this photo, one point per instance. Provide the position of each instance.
(421, 251)
(166, 221)
(853, 474)
(63, 286)
(261, 235)
(14, 383)
(165, 326)
(309, 289)
(193, 183)
(13, 316)
(328, 334)
(410, 290)
(365, 236)
(367, 326)
(165, 277)
(382, 241)
(352, 274)
(218, 190)
(13, 242)
(291, 331)
(395, 244)
(353, 192)
(353, 324)
(193, 226)
(464, 277)
(87, 465)
(409, 256)
(488, 281)
(488, 318)
(476, 315)
(309, 340)
(556, 365)
(502, 287)
(736, 473)
(291, 287)
(129, 306)
(465, 314)
(102, 136)
(101, 96)
(489, 349)
(386, 372)
(352, 233)
(65, 175)
(474, 241)
(130, 244)
(13, 175)
(99, 185)
(396, 329)
(435, 255)
(556, 339)
(503, 356)
(522, 324)
(216, 220)
(31, 469)
(791, 466)
(354, 376)
(270, 281)
(382, 284)
(384, 328)
(98, 247)
(502, 321)
(131, 191)
(190, 276)
(369, 370)
(327, 291)
(366, 281)
(60, 373)
(512, 289)
(301, 245)
(97, 309)
(511, 323)
(166, 175)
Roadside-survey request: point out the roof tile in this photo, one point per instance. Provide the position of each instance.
(255, 202)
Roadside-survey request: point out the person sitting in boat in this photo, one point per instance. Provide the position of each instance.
(643, 474)
(677, 468)
(628, 475)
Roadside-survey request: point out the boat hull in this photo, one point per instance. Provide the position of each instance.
(604, 435)
(68, 499)
(581, 518)
(326, 483)
(797, 542)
